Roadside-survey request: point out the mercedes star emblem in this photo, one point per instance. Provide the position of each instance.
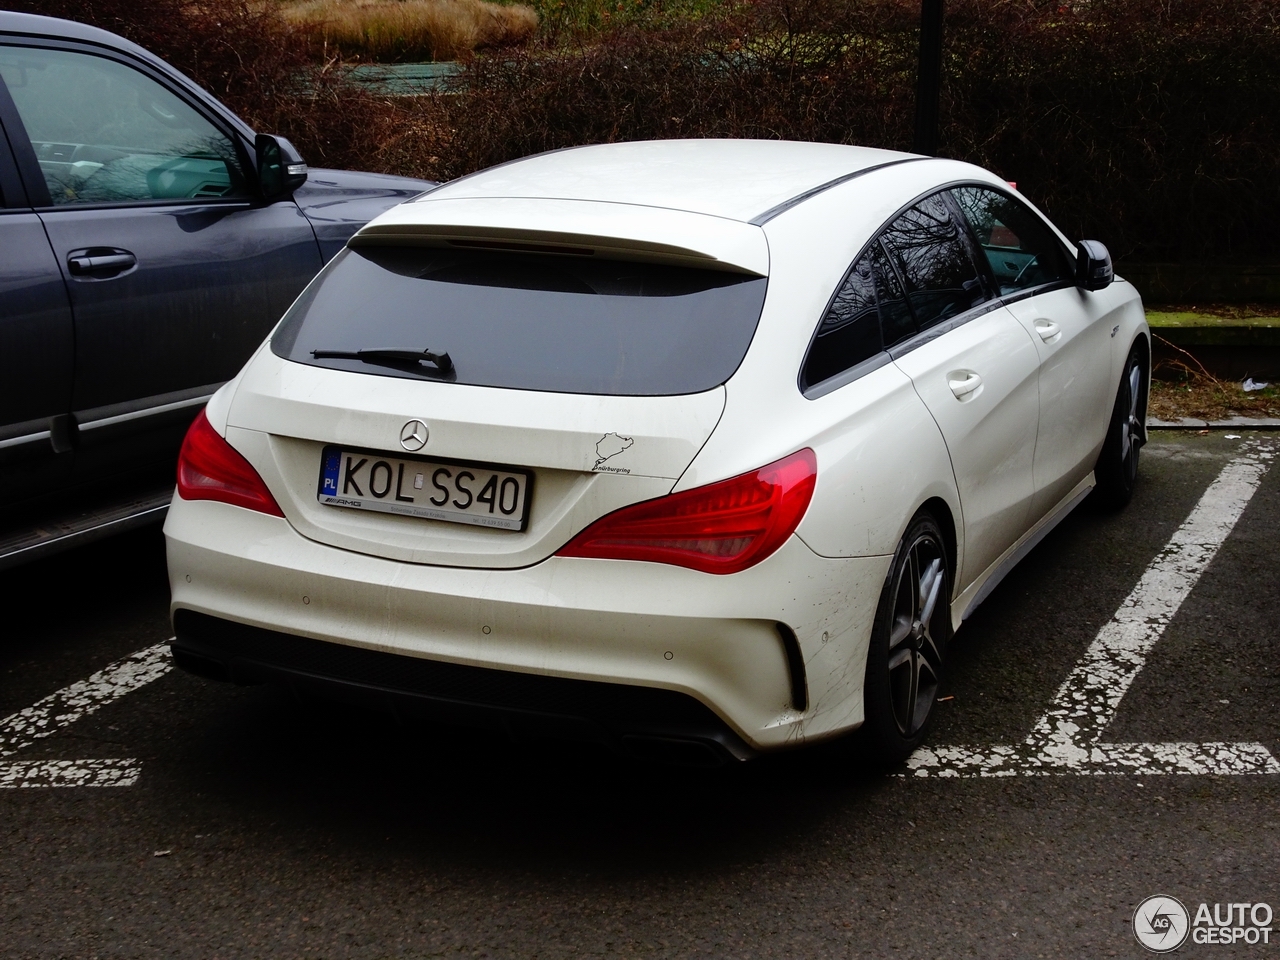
(413, 435)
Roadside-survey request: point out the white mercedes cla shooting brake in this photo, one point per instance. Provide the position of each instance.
(699, 449)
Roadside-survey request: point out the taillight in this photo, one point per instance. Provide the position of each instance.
(209, 468)
(720, 528)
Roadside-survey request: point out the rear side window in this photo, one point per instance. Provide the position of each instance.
(558, 323)
(1021, 249)
(868, 314)
(896, 320)
(940, 276)
(850, 332)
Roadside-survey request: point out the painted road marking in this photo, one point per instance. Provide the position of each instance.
(1151, 759)
(65, 707)
(1067, 739)
(69, 773)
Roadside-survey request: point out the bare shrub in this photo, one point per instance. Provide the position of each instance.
(412, 30)
(808, 69)
(253, 60)
(241, 51)
(1152, 125)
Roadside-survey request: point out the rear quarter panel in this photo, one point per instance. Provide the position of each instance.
(880, 455)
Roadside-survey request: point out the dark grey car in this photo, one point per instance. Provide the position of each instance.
(149, 240)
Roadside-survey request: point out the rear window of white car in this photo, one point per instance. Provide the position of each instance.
(559, 323)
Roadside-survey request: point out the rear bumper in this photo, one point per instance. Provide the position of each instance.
(642, 721)
(718, 641)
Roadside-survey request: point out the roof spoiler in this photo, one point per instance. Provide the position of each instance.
(585, 228)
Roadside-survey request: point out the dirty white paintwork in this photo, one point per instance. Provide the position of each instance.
(886, 444)
(608, 620)
(1068, 738)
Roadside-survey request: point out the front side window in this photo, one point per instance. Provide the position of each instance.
(940, 277)
(104, 132)
(1021, 249)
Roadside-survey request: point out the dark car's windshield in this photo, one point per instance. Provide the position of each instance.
(560, 323)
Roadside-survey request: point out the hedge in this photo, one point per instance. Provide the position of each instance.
(1153, 125)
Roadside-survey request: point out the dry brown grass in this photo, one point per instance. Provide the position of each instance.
(388, 31)
(1183, 388)
(1202, 398)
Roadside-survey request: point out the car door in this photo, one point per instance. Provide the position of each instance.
(36, 348)
(175, 270)
(975, 368)
(1036, 281)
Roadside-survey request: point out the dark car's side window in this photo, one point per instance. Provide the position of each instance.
(1019, 246)
(940, 276)
(104, 132)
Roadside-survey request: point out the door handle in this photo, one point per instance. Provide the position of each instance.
(1048, 330)
(963, 383)
(86, 263)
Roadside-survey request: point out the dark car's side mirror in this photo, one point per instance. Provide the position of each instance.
(281, 170)
(1093, 266)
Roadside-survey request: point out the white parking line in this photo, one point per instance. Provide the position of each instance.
(69, 773)
(1150, 759)
(66, 706)
(1067, 738)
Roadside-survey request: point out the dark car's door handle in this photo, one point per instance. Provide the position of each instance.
(97, 262)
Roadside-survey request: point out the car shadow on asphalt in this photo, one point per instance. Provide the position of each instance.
(457, 795)
(253, 763)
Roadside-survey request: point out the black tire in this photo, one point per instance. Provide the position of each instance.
(908, 644)
(1116, 472)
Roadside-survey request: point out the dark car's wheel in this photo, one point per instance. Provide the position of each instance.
(1116, 472)
(908, 643)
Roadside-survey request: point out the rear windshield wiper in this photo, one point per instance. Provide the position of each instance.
(389, 355)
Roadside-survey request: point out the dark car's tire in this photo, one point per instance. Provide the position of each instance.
(908, 644)
(1116, 472)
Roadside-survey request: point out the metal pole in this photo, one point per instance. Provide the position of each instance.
(929, 78)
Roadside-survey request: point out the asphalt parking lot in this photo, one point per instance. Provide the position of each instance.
(241, 824)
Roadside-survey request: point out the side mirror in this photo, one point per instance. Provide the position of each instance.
(280, 168)
(1093, 266)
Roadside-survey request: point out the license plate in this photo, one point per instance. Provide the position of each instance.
(450, 490)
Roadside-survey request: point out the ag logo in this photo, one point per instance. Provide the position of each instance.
(413, 435)
(1161, 924)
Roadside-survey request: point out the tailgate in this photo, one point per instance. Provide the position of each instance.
(585, 455)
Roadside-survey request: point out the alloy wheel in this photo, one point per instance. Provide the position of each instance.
(915, 639)
(1131, 431)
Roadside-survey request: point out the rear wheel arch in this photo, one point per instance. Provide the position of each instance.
(941, 512)
(908, 643)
